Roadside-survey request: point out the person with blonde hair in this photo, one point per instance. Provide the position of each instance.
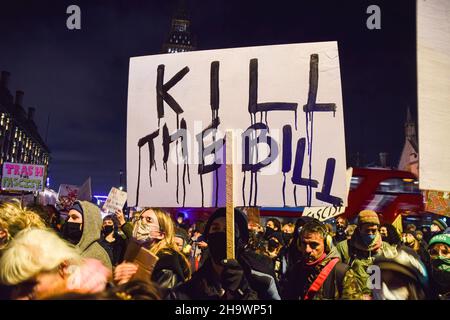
(155, 230)
(14, 217)
(37, 264)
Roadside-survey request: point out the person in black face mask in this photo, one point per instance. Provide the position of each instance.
(111, 241)
(288, 233)
(272, 225)
(222, 279)
(83, 229)
(73, 227)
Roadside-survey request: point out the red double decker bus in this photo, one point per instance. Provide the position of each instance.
(388, 192)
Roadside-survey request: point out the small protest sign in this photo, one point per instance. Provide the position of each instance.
(116, 200)
(67, 195)
(23, 177)
(437, 202)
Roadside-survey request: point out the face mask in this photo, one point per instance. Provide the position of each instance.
(340, 230)
(368, 238)
(441, 271)
(217, 242)
(442, 264)
(72, 232)
(287, 237)
(268, 233)
(142, 231)
(435, 232)
(108, 229)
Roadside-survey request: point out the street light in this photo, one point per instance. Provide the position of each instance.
(120, 180)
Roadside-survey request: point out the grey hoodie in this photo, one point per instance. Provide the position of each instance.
(92, 226)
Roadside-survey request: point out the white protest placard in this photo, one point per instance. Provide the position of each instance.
(323, 213)
(433, 79)
(116, 200)
(67, 195)
(85, 191)
(283, 103)
(23, 177)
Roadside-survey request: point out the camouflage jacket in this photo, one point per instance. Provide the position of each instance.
(356, 282)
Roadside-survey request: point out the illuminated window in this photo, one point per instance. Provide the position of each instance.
(355, 182)
(398, 185)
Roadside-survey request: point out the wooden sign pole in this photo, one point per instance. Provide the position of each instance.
(229, 195)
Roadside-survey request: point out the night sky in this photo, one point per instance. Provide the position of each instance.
(79, 77)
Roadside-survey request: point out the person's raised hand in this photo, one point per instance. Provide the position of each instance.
(120, 217)
(202, 245)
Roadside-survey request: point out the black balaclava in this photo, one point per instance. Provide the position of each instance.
(217, 240)
(71, 231)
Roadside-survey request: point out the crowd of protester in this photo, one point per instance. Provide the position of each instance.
(43, 256)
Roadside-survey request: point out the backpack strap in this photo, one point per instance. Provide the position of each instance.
(340, 271)
(323, 275)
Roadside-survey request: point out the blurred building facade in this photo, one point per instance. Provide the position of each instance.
(180, 38)
(20, 141)
(409, 159)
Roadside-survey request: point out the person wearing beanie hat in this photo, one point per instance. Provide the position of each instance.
(361, 249)
(181, 239)
(439, 251)
(438, 226)
(220, 278)
(368, 217)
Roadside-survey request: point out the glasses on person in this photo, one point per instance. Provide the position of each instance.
(140, 218)
(146, 219)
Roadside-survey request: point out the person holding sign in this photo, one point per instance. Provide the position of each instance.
(227, 279)
(154, 230)
(111, 241)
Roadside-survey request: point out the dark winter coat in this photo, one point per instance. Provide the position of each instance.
(205, 285)
(301, 276)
